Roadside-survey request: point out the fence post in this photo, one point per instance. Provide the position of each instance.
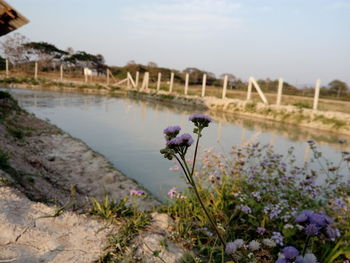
(137, 79)
(158, 81)
(128, 80)
(61, 72)
(36, 71)
(7, 67)
(224, 87)
(257, 87)
(317, 94)
(107, 76)
(171, 82)
(279, 91)
(145, 81)
(204, 82)
(250, 85)
(186, 83)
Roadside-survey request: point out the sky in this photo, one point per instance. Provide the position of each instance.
(298, 40)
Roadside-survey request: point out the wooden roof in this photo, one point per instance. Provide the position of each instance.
(10, 19)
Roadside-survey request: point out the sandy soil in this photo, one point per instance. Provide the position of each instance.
(44, 164)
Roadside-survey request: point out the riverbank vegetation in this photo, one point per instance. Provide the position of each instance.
(259, 206)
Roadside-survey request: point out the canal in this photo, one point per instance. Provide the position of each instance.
(128, 132)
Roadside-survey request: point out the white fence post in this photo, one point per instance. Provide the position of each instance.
(224, 87)
(61, 72)
(145, 81)
(36, 71)
(107, 76)
(7, 67)
(261, 94)
(131, 81)
(186, 83)
(158, 81)
(137, 79)
(317, 94)
(250, 86)
(279, 91)
(171, 82)
(204, 82)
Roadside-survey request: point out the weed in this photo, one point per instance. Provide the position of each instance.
(302, 105)
(108, 209)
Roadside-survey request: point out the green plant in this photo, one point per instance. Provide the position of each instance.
(108, 209)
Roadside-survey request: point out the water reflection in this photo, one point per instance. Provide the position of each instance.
(129, 132)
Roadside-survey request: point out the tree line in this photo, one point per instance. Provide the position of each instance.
(22, 53)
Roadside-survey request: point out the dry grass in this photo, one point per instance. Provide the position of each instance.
(325, 104)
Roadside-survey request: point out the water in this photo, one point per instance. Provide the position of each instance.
(129, 132)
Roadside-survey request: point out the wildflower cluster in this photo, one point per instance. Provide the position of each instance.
(267, 208)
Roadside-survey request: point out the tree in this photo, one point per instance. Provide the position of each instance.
(152, 64)
(231, 79)
(46, 54)
(13, 48)
(83, 59)
(337, 86)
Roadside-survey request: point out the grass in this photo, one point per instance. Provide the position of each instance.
(131, 222)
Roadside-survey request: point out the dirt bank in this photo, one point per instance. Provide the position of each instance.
(46, 178)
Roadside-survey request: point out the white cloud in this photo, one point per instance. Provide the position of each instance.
(184, 16)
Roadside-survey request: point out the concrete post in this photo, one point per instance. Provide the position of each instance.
(261, 94)
(137, 79)
(279, 91)
(204, 83)
(145, 81)
(107, 76)
(128, 80)
(36, 71)
(7, 67)
(317, 94)
(224, 87)
(86, 76)
(61, 72)
(186, 83)
(250, 86)
(171, 82)
(159, 80)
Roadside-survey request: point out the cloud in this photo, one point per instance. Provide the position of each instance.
(184, 16)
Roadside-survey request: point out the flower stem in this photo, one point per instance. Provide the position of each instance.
(306, 244)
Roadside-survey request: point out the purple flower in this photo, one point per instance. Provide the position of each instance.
(281, 260)
(230, 248)
(278, 238)
(304, 216)
(172, 192)
(332, 233)
(308, 258)
(200, 120)
(290, 252)
(171, 132)
(185, 140)
(246, 209)
(317, 219)
(339, 203)
(311, 230)
(261, 230)
(137, 192)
